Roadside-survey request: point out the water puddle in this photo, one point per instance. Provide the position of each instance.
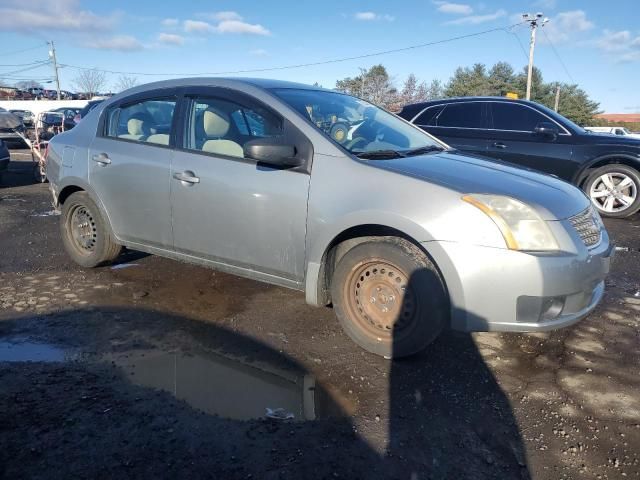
(23, 351)
(229, 387)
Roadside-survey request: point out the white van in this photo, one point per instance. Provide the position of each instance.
(622, 131)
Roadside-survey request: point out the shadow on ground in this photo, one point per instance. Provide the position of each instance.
(128, 400)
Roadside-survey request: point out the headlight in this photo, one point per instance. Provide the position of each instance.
(520, 225)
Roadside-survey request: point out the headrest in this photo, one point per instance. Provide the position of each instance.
(139, 124)
(215, 122)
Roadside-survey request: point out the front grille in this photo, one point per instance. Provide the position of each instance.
(587, 225)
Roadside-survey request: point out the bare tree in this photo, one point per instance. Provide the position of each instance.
(27, 84)
(90, 82)
(125, 83)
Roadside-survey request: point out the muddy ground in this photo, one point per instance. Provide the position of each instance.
(157, 369)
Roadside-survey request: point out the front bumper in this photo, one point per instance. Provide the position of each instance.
(494, 289)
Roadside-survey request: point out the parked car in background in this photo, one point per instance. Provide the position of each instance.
(69, 114)
(26, 116)
(36, 92)
(402, 235)
(531, 135)
(9, 124)
(86, 109)
(4, 159)
(620, 131)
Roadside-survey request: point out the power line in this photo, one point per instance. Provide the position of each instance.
(3, 54)
(566, 70)
(524, 52)
(41, 64)
(303, 65)
(22, 64)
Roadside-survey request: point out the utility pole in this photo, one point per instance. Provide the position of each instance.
(557, 104)
(534, 21)
(52, 55)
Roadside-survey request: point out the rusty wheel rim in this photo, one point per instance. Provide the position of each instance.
(380, 299)
(83, 230)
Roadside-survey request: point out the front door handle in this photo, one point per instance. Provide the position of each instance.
(499, 145)
(187, 177)
(102, 159)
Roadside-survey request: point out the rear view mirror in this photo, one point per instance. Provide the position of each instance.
(547, 130)
(272, 151)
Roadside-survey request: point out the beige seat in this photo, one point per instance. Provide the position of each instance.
(216, 124)
(136, 128)
(159, 138)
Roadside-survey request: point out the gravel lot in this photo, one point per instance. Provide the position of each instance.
(157, 369)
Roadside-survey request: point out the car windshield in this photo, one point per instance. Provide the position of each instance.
(358, 126)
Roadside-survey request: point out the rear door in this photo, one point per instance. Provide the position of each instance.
(129, 168)
(461, 125)
(514, 140)
(232, 210)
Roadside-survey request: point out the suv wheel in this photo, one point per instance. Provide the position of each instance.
(85, 235)
(389, 297)
(614, 190)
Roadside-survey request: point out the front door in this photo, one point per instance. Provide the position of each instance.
(515, 141)
(129, 167)
(229, 209)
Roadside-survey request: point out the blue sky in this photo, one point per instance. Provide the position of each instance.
(599, 42)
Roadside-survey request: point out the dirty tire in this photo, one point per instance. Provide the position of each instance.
(85, 235)
(389, 297)
(617, 174)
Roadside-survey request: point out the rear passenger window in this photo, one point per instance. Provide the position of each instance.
(148, 121)
(222, 127)
(511, 116)
(460, 115)
(428, 117)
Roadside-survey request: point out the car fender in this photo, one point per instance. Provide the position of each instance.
(582, 174)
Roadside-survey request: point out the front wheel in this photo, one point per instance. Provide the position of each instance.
(389, 297)
(85, 234)
(614, 190)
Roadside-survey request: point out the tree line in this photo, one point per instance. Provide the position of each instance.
(377, 86)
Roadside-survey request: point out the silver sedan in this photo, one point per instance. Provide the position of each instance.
(322, 192)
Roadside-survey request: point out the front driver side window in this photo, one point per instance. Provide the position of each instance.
(223, 127)
(514, 117)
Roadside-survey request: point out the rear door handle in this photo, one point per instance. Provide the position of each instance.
(187, 177)
(101, 158)
(500, 145)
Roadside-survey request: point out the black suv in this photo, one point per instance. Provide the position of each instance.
(528, 134)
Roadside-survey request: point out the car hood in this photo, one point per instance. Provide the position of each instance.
(595, 138)
(552, 198)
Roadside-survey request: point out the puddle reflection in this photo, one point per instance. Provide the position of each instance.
(228, 387)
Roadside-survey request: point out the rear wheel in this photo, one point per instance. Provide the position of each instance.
(614, 190)
(389, 297)
(85, 234)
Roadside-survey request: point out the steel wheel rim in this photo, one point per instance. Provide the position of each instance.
(613, 192)
(380, 300)
(83, 230)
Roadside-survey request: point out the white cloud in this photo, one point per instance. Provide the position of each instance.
(226, 16)
(259, 52)
(454, 8)
(621, 46)
(197, 26)
(123, 43)
(477, 19)
(564, 25)
(171, 39)
(225, 26)
(170, 22)
(372, 16)
(45, 15)
(237, 26)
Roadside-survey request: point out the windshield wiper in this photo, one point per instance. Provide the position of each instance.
(422, 150)
(379, 154)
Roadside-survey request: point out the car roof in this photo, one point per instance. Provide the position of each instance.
(227, 82)
(415, 108)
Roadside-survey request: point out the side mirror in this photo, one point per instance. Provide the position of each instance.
(547, 130)
(272, 151)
